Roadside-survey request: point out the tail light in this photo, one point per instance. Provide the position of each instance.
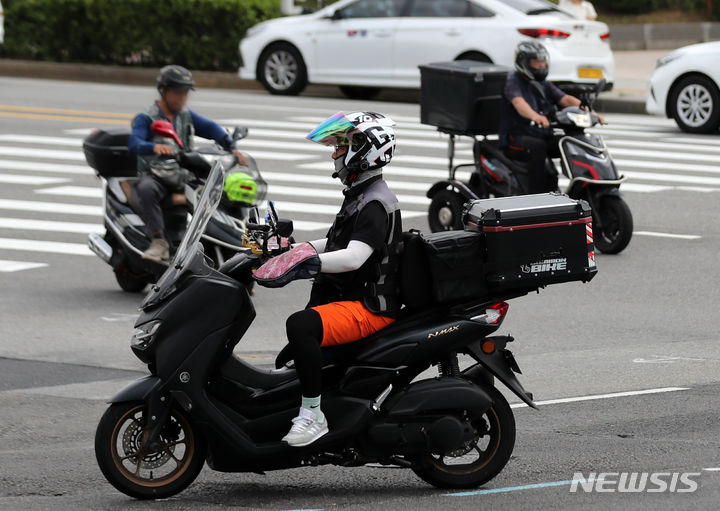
(544, 32)
(493, 315)
(605, 36)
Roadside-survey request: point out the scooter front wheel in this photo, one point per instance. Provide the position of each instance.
(613, 233)
(445, 211)
(480, 460)
(147, 471)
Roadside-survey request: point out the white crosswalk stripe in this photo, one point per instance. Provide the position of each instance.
(59, 199)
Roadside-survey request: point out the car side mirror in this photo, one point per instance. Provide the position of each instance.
(285, 227)
(335, 16)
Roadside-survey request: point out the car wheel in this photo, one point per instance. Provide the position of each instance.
(476, 56)
(281, 70)
(695, 104)
(353, 92)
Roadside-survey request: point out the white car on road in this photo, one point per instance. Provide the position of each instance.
(2, 25)
(686, 86)
(363, 45)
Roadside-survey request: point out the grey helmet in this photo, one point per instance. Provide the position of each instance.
(524, 53)
(175, 77)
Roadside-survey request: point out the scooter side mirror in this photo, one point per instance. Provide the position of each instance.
(165, 129)
(239, 133)
(285, 227)
(253, 215)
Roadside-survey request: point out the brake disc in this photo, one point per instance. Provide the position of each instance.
(131, 442)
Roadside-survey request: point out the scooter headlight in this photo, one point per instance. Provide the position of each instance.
(580, 120)
(144, 335)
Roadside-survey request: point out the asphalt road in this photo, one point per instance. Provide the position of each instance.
(646, 323)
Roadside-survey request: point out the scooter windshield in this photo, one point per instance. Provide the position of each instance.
(189, 246)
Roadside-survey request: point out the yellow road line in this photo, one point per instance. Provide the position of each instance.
(44, 110)
(66, 118)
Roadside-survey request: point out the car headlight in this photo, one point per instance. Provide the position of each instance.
(580, 120)
(667, 59)
(144, 335)
(255, 29)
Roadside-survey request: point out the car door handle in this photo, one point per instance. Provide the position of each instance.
(452, 33)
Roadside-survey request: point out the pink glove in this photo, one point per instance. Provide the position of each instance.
(302, 262)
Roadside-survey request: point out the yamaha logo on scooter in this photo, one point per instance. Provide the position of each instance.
(545, 266)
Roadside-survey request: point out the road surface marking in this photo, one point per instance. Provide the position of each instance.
(302, 207)
(50, 110)
(49, 225)
(35, 139)
(44, 167)
(73, 191)
(514, 488)
(50, 207)
(594, 397)
(32, 152)
(668, 235)
(13, 266)
(53, 247)
(666, 166)
(667, 146)
(712, 469)
(20, 179)
(62, 118)
(298, 191)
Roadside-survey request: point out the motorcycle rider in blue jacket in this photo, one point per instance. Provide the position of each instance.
(151, 191)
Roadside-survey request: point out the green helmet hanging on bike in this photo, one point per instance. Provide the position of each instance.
(240, 187)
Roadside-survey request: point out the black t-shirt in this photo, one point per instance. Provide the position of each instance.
(371, 225)
(511, 122)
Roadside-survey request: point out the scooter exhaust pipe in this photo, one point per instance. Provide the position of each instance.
(100, 247)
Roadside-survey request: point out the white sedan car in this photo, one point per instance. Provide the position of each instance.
(363, 45)
(686, 86)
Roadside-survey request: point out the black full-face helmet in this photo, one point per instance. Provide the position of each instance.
(527, 51)
(175, 78)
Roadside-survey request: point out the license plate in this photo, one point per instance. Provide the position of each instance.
(590, 72)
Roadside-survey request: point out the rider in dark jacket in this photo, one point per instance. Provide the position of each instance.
(355, 292)
(174, 84)
(523, 106)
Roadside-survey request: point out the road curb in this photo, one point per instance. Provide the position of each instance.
(620, 106)
(217, 80)
(114, 74)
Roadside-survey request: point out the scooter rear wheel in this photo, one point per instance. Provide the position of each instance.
(484, 459)
(617, 225)
(141, 471)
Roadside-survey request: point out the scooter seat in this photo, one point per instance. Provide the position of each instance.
(236, 369)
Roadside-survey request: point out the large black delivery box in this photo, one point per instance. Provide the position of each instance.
(533, 240)
(462, 97)
(106, 151)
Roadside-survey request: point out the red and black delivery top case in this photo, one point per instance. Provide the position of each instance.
(533, 240)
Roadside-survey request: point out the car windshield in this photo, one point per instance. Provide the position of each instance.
(535, 7)
(206, 206)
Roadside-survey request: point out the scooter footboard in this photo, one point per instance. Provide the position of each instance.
(500, 363)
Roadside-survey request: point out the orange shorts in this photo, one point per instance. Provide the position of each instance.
(345, 322)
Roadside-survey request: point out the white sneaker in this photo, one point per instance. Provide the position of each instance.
(306, 429)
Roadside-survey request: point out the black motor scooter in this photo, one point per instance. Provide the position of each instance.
(202, 403)
(584, 160)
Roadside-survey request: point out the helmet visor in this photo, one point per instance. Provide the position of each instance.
(337, 130)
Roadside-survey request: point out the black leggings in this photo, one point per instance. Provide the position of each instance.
(535, 151)
(305, 333)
